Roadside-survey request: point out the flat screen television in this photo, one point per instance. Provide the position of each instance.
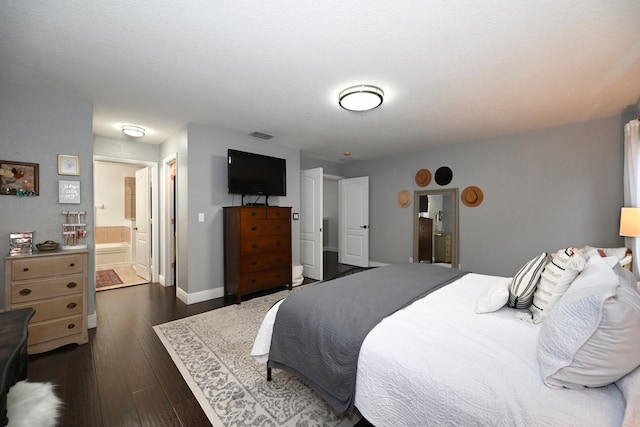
(256, 174)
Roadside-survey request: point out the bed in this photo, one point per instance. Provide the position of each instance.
(436, 361)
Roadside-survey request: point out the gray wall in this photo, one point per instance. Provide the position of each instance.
(206, 176)
(128, 150)
(543, 191)
(35, 126)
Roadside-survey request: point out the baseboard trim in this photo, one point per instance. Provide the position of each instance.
(377, 264)
(201, 296)
(92, 321)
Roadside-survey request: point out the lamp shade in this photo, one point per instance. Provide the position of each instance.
(361, 98)
(630, 222)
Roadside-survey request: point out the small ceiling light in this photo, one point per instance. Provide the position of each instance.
(347, 153)
(134, 131)
(361, 98)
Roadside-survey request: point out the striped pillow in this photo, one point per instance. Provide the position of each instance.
(524, 283)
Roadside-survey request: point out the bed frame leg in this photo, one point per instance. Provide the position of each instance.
(268, 374)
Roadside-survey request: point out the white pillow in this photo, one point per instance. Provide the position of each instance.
(619, 253)
(495, 296)
(629, 385)
(555, 280)
(590, 338)
(525, 281)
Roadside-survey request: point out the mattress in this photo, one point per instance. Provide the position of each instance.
(437, 362)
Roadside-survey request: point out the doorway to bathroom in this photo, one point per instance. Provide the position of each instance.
(122, 221)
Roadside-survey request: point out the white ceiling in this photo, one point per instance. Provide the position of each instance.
(452, 70)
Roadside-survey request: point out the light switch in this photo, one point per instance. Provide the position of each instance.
(296, 216)
(201, 217)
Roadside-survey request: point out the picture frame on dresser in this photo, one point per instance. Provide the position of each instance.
(19, 178)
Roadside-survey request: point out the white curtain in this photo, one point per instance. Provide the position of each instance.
(631, 184)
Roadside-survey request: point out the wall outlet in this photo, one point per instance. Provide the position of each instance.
(201, 217)
(410, 259)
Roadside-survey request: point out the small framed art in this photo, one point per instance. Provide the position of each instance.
(69, 192)
(18, 178)
(68, 164)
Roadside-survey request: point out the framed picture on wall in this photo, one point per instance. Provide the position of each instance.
(68, 164)
(19, 178)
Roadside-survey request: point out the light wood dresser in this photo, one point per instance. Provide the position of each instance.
(257, 249)
(54, 284)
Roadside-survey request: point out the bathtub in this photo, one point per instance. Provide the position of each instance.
(113, 255)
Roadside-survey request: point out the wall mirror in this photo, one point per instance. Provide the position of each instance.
(435, 227)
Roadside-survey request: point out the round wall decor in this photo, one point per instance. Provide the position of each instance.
(404, 199)
(423, 177)
(472, 196)
(443, 175)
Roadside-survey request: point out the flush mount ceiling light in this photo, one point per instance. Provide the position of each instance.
(361, 98)
(134, 131)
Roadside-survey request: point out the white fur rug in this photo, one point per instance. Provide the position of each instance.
(32, 405)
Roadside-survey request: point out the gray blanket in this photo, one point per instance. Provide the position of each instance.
(318, 331)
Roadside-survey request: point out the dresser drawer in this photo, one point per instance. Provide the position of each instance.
(263, 261)
(22, 292)
(275, 213)
(253, 213)
(55, 307)
(250, 229)
(264, 244)
(46, 331)
(251, 282)
(32, 268)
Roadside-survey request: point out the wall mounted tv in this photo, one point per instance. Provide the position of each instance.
(256, 174)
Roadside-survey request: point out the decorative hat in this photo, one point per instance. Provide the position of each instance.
(472, 196)
(423, 177)
(404, 199)
(443, 175)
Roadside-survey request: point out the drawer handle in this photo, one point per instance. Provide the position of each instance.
(254, 263)
(72, 264)
(278, 260)
(254, 228)
(72, 305)
(71, 285)
(254, 246)
(278, 276)
(254, 213)
(278, 227)
(25, 292)
(254, 280)
(71, 326)
(277, 243)
(25, 269)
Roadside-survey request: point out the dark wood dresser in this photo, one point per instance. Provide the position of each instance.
(257, 249)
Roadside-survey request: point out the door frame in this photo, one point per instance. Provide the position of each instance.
(154, 209)
(168, 276)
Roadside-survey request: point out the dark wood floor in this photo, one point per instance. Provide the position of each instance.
(124, 376)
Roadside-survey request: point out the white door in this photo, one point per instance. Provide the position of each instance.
(311, 223)
(142, 263)
(354, 221)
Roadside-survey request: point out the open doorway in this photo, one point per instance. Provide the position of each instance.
(123, 214)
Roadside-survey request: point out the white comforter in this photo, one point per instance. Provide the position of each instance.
(438, 363)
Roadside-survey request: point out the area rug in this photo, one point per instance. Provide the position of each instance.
(212, 351)
(106, 278)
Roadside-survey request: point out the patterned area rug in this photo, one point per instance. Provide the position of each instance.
(212, 351)
(107, 278)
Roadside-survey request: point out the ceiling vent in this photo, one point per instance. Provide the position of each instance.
(261, 135)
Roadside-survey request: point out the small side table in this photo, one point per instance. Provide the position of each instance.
(13, 352)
